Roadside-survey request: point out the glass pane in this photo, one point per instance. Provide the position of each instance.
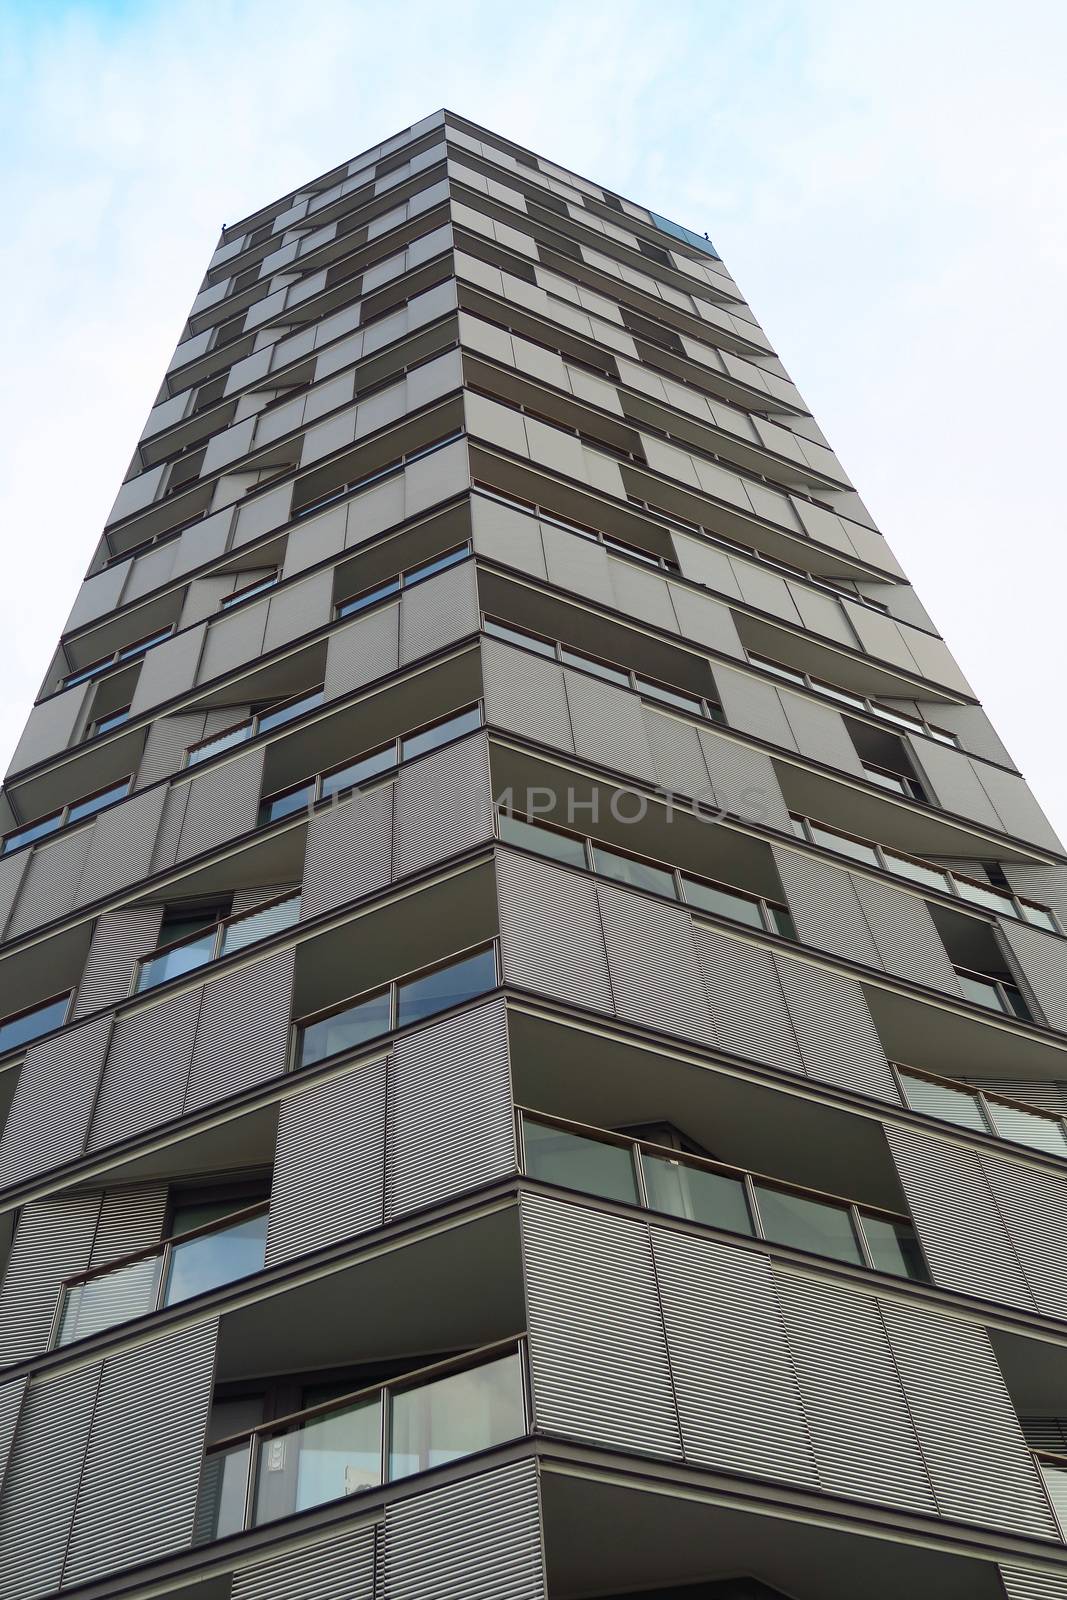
(295, 708)
(105, 724)
(344, 1030)
(1028, 1127)
(981, 990)
(1015, 1002)
(574, 1161)
(439, 564)
(670, 697)
(546, 841)
(721, 903)
(843, 695)
(894, 1247)
(36, 830)
(696, 1192)
(142, 645)
(807, 1223)
(248, 593)
(19, 1030)
(86, 672)
(360, 602)
(97, 802)
(1056, 1484)
(831, 840)
(1039, 916)
(885, 780)
(916, 871)
(527, 641)
(780, 671)
(328, 1457)
(215, 1258)
(220, 1507)
(940, 1100)
(173, 962)
(113, 1297)
(783, 922)
(638, 874)
(260, 924)
(379, 761)
(599, 669)
(283, 805)
(978, 894)
(454, 1416)
(213, 747)
(447, 986)
(417, 744)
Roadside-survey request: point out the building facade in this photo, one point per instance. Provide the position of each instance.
(533, 1000)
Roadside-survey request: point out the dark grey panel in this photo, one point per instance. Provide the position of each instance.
(341, 1564)
(53, 1239)
(147, 1071)
(120, 939)
(608, 726)
(366, 649)
(50, 886)
(349, 851)
(479, 1539)
(836, 1034)
(222, 804)
(526, 695)
(748, 1007)
(121, 845)
(438, 612)
(652, 960)
(908, 943)
(551, 938)
(242, 1036)
(825, 907)
(443, 806)
(57, 1086)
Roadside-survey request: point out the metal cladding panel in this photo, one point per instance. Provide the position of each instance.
(507, 536)
(608, 725)
(551, 937)
(450, 1122)
(121, 844)
(642, 594)
(326, 1570)
(147, 1071)
(233, 637)
(53, 1104)
(152, 1408)
(297, 609)
(366, 649)
(242, 1036)
(903, 930)
(1047, 1095)
(439, 611)
(598, 1353)
(954, 783)
(957, 1219)
(10, 1404)
(443, 805)
(748, 1008)
(1045, 884)
(1016, 807)
(222, 804)
(825, 907)
(1042, 959)
(752, 706)
(119, 940)
(50, 886)
(166, 744)
(820, 732)
(168, 670)
(175, 803)
(652, 959)
(349, 851)
(130, 1219)
(581, 566)
(53, 1239)
(835, 1031)
(1033, 1205)
(706, 621)
(477, 1539)
(857, 1413)
(978, 1461)
(744, 781)
(329, 1164)
(41, 1485)
(526, 695)
(677, 756)
(12, 872)
(738, 1401)
(254, 895)
(1026, 1583)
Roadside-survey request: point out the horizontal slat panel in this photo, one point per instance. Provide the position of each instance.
(550, 933)
(54, 1098)
(334, 1566)
(479, 1539)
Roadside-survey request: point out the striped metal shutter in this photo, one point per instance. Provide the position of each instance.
(598, 1352)
(706, 621)
(168, 670)
(578, 565)
(121, 846)
(507, 536)
(298, 609)
(952, 778)
(254, 895)
(608, 726)
(41, 1486)
(349, 851)
(53, 1104)
(1026, 1583)
(365, 650)
(50, 885)
(744, 780)
(1042, 959)
(329, 1163)
(652, 960)
(478, 1539)
(551, 938)
(641, 594)
(908, 943)
(1047, 1095)
(443, 805)
(130, 1219)
(53, 1239)
(165, 850)
(10, 1403)
(858, 1420)
(977, 1458)
(957, 1219)
(147, 1071)
(233, 638)
(450, 1122)
(525, 695)
(678, 756)
(1018, 811)
(748, 1008)
(137, 1496)
(166, 744)
(825, 907)
(12, 872)
(1045, 884)
(752, 706)
(222, 804)
(438, 612)
(341, 1565)
(838, 1040)
(738, 1402)
(242, 1036)
(820, 733)
(119, 940)
(1033, 1204)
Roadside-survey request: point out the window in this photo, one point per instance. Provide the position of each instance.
(808, 1224)
(996, 994)
(897, 782)
(551, 843)
(276, 716)
(526, 641)
(114, 719)
(77, 811)
(98, 802)
(591, 664)
(249, 592)
(216, 1257)
(699, 1193)
(31, 1024)
(440, 733)
(368, 598)
(422, 997)
(833, 691)
(132, 651)
(590, 1166)
(636, 874)
(361, 771)
(722, 902)
(346, 1029)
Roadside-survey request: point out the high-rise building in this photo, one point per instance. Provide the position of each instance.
(533, 1000)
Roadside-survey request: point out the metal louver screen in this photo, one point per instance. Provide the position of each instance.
(480, 1537)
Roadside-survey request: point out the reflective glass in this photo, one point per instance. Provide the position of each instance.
(830, 839)
(980, 895)
(439, 564)
(916, 871)
(783, 922)
(721, 903)
(1039, 916)
(670, 697)
(220, 1507)
(87, 672)
(215, 1258)
(527, 641)
(894, 1247)
(435, 991)
(417, 744)
(344, 1030)
(178, 959)
(105, 724)
(942, 1100)
(574, 1161)
(696, 1192)
(637, 874)
(36, 830)
(983, 991)
(142, 645)
(885, 780)
(361, 602)
(109, 1299)
(1028, 1127)
(372, 766)
(841, 695)
(780, 671)
(456, 1415)
(250, 593)
(599, 669)
(808, 1224)
(546, 841)
(224, 741)
(1016, 1004)
(283, 714)
(32, 1024)
(99, 802)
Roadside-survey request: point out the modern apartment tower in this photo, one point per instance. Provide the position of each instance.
(533, 1000)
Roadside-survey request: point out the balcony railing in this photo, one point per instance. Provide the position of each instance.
(981, 1111)
(996, 994)
(117, 658)
(849, 697)
(897, 782)
(680, 1184)
(25, 1026)
(378, 1435)
(1053, 1469)
(66, 816)
(163, 1275)
(241, 732)
(224, 939)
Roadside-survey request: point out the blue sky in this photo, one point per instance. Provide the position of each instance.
(887, 184)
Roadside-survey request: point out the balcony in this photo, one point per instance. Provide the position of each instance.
(241, 732)
(224, 939)
(377, 1435)
(982, 1111)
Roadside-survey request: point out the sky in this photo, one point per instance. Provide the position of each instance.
(886, 183)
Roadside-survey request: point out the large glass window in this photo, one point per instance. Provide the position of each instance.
(636, 874)
(592, 1166)
(347, 1029)
(700, 1193)
(808, 1224)
(545, 841)
(456, 1415)
(33, 1023)
(424, 996)
(894, 1247)
(417, 744)
(214, 1258)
